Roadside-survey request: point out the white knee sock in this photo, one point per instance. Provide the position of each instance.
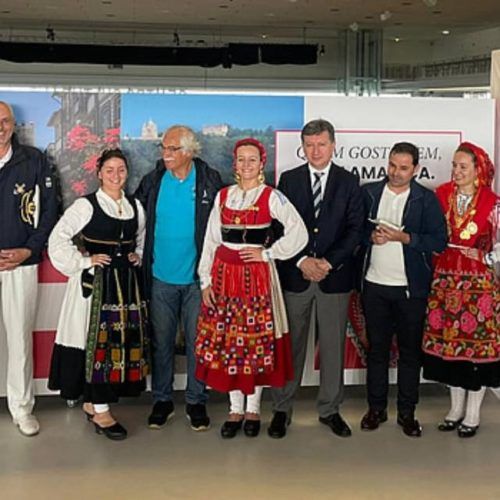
(457, 410)
(101, 408)
(253, 401)
(474, 400)
(236, 402)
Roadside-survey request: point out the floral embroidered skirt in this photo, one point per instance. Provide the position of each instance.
(462, 334)
(237, 346)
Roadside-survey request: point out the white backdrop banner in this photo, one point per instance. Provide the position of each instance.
(366, 129)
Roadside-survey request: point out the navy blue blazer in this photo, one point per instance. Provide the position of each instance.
(423, 219)
(336, 233)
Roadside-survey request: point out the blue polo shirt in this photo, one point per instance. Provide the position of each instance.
(174, 249)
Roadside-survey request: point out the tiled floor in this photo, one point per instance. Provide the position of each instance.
(68, 460)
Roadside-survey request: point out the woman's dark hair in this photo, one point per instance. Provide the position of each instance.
(107, 154)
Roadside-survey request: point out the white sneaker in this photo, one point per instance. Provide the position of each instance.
(28, 425)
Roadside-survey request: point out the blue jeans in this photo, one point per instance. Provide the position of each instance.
(168, 304)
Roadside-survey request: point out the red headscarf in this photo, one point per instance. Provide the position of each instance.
(249, 141)
(484, 166)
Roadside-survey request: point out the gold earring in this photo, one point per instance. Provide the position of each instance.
(476, 182)
(261, 177)
(237, 178)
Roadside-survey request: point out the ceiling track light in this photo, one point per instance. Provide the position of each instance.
(386, 15)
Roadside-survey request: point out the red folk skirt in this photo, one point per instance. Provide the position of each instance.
(237, 347)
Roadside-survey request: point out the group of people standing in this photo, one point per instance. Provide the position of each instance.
(246, 270)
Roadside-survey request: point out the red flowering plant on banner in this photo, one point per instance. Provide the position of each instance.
(84, 148)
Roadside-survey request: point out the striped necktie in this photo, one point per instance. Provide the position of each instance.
(317, 193)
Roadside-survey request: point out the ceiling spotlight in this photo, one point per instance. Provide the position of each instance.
(445, 32)
(397, 39)
(430, 3)
(354, 26)
(386, 15)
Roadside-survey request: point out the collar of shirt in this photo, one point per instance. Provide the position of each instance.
(6, 157)
(188, 176)
(323, 178)
(113, 207)
(389, 192)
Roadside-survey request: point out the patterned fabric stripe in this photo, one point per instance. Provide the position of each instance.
(123, 323)
(95, 316)
(142, 313)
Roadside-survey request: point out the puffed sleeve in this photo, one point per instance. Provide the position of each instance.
(63, 253)
(295, 235)
(213, 239)
(141, 229)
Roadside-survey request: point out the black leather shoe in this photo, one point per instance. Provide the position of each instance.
(448, 425)
(230, 428)
(279, 423)
(337, 424)
(467, 431)
(411, 426)
(372, 419)
(251, 428)
(115, 432)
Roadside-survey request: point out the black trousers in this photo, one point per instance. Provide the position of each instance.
(389, 311)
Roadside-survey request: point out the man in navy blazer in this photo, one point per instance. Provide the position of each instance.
(404, 227)
(328, 198)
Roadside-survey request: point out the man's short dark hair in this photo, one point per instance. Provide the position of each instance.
(316, 127)
(406, 148)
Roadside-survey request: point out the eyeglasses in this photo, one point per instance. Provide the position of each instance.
(170, 149)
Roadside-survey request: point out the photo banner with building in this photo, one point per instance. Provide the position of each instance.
(74, 127)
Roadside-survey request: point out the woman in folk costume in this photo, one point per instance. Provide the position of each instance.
(101, 343)
(243, 342)
(462, 335)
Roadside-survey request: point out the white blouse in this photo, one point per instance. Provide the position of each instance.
(294, 237)
(64, 254)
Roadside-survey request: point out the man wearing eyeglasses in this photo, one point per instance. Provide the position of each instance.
(178, 196)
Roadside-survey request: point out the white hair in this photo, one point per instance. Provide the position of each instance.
(9, 109)
(188, 139)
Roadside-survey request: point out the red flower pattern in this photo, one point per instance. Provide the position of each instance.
(86, 147)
